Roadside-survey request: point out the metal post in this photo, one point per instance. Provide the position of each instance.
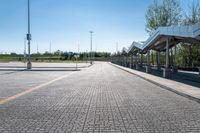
(174, 55)
(91, 32)
(148, 68)
(167, 54)
(86, 56)
(137, 62)
(148, 56)
(77, 58)
(174, 61)
(141, 60)
(131, 64)
(29, 65)
(167, 71)
(24, 50)
(76, 63)
(158, 61)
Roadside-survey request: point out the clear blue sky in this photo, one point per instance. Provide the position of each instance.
(66, 23)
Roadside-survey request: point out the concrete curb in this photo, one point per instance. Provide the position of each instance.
(160, 85)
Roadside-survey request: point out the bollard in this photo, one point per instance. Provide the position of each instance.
(148, 69)
(137, 66)
(166, 73)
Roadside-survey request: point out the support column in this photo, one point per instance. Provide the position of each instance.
(158, 61)
(131, 63)
(124, 61)
(174, 61)
(121, 63)
(141, 60)
(199, 71)
(167, 71)
(120, 60)
(148, 67)
(137, 62)
(127, 61)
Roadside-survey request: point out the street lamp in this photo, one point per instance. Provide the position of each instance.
(29, 65)
(24, 49)
(91, 32)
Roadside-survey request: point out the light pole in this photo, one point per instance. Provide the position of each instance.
(37, 49)
(24, 49)
(29, 65)
(91, 32)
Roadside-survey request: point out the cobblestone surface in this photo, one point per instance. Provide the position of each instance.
(101, 98)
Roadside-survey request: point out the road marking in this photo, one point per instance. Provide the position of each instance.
(11, 98)
(1, 98)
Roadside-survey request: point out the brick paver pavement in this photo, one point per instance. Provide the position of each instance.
(101, 98)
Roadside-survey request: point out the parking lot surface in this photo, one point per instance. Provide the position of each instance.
(100, 98)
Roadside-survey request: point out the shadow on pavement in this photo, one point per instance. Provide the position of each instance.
(186, 78)
(41, 67)
(17, 70)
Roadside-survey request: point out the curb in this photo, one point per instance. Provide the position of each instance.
(162, 86)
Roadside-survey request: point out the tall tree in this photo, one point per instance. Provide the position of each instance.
(191, 50)
(165, 13)
(194, 14)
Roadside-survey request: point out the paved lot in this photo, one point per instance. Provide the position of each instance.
(101, 98)
(18, 66)
(41, 65)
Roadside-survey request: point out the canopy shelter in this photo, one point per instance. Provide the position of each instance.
(135, 48)
(175, 34)
(165, 38)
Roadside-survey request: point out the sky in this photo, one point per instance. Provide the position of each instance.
(66, 24)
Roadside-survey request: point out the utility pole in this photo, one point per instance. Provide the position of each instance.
(91, 32)
(78, 55)
(37, 49)
(29, 65)
(24, 49)
(86, 55)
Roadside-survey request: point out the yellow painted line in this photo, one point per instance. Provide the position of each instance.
(1, 98)
(11, 98)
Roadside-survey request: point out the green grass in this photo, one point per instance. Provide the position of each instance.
(6, 59)
(60, 61)
(45, 61)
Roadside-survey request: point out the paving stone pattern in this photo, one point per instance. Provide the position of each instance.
(101, 98)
